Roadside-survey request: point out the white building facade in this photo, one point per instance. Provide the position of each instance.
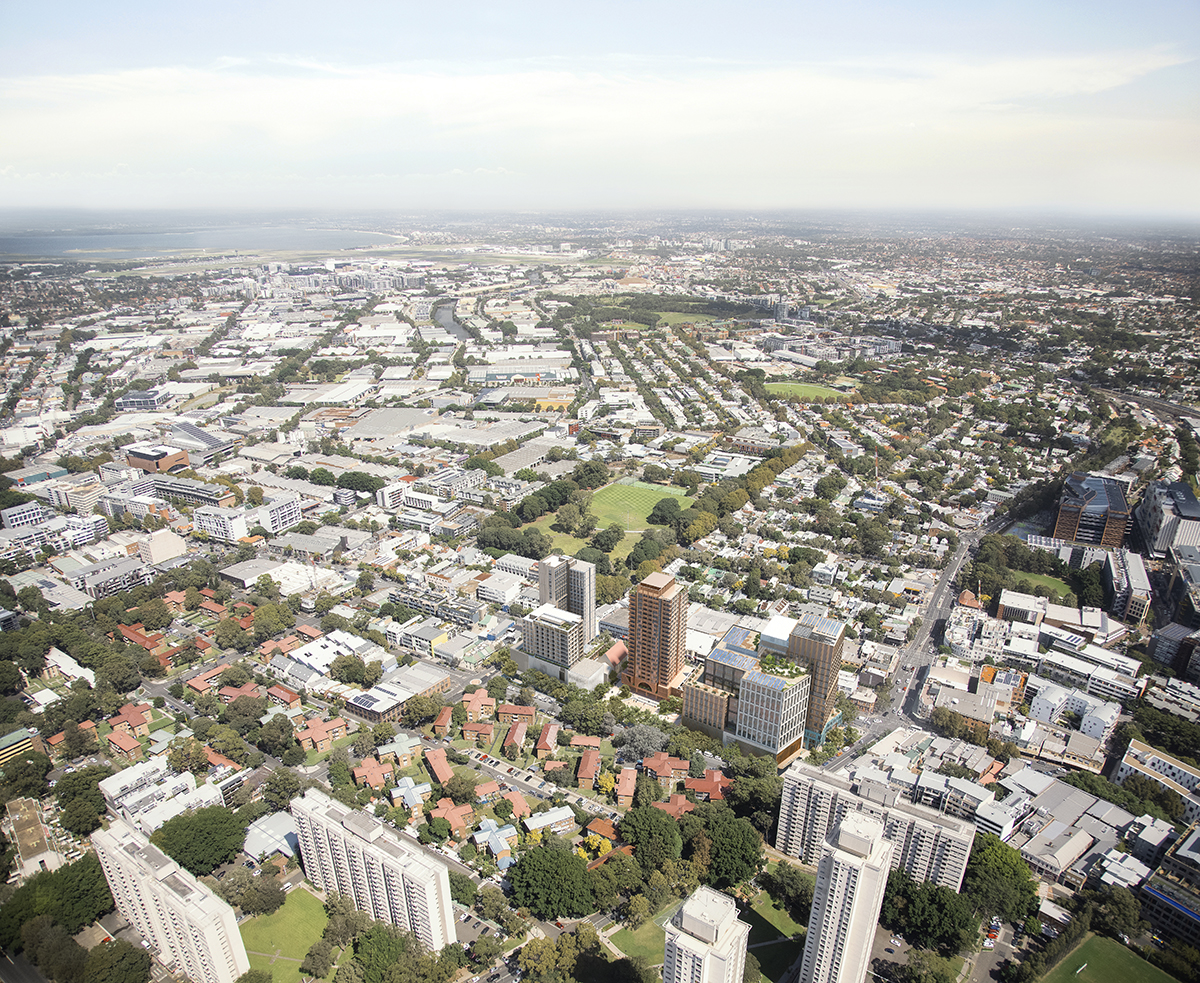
(193, 930)
(349, 851)
(706, 942)
(851, 879)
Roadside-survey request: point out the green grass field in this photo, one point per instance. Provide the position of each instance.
(776, 916)
(570, 545)
(647, 942)
(1050, 583)
(1107, 961)
(776, 959)
(804, 390)
(629, 505)
(278, 943)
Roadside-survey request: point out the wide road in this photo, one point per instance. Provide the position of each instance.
(920, 652)
(16, 969)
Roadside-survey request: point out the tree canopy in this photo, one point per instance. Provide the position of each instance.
(201, 841)
(930, 915)
(74, 895)
(552, 883)
(653, 834)
(998, 881)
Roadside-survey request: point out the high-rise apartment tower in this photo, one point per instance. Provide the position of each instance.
(351, 852)
(929, 845)
(193, 930)
(706, 943)
(817, 643)
(851, 879)
(657, 632)
(570, 584)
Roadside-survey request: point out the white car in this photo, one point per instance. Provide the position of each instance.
(989, 944)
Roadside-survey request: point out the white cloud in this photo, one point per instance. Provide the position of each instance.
(283, 131)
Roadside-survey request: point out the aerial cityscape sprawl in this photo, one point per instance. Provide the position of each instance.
(697, 601)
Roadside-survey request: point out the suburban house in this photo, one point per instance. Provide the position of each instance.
(319, 735)
(626, 783)
(372, 772)
(479, 706)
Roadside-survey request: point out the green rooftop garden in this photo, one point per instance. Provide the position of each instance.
(784, 668)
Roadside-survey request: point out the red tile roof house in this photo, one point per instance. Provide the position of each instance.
(124, 745)
(213, 608)
(218, 760)
(312, 634)
(230, 693)
(676, 806)
(283, 696)
(174, 600)
(134, 635)
(626, 850)
(665, 769)
(547, 742)
(626, 784)
(516, 735)
(281, 647)
(486, 791)
(55, 743)
(711, 787)
(602, 827)
(435, 758)
(442, 725)
(589, 768)
(585, 740)
(480, 733)
(520, 806)
(319, 735)
(132, 719)
(617, 654)
(509, 713)
(550, 766)
(372, 772)
(479, 706)
(460, 818)
(203, 682)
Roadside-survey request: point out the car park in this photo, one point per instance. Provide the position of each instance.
(989, 944)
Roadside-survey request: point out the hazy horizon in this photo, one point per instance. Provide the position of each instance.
(1086, 110)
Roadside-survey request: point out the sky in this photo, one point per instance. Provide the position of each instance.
(1087, 108)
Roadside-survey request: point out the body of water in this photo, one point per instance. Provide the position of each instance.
(125, 243)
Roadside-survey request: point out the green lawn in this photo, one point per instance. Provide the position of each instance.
(804, 390)
(312, 757)
(629, 505)
(1107, 961)
(570, 545)
(1050, 583)
(775, 960)
(284, 936)
(647, 942)
(777, 916)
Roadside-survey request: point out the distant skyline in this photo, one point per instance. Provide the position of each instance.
(1088, 108)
